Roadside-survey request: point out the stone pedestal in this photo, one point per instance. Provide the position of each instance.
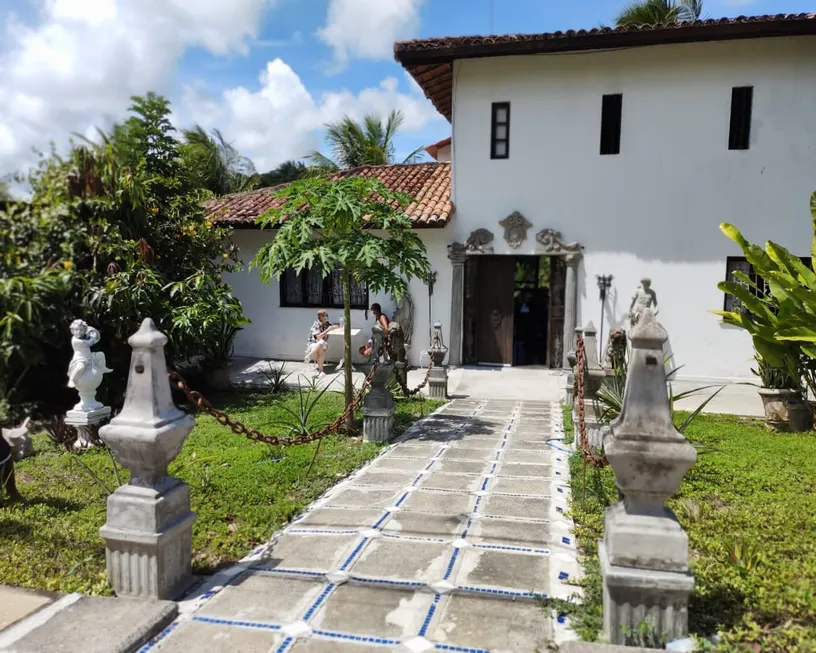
(457, 256)
(438, 383)
(570, 302)
(644, 554)
(148, 532)
(84, 422)
(378, 407)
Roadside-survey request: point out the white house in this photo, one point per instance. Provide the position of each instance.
(602, 152)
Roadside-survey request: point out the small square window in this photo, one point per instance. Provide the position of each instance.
(500, 130)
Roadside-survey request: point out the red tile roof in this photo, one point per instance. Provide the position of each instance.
(430, 61)
(433, 150)
(428, 183)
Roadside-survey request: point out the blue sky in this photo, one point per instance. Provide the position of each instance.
(268, 73)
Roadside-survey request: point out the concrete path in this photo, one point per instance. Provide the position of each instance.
(444, 542)
(17, 603)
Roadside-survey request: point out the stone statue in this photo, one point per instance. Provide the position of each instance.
(20, 443)
(86, 367)
(397, 343)
(404, 315)
(644, 298)
(479, 242)
(377, 337)
(615, 349)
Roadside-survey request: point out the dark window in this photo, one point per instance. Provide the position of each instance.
(738, 263)
(500, 131)
(309, 289)
(739, 135)
(611, 110)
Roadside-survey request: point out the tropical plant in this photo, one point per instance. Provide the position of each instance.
(110, 230)
(300, 422)
(354, 225)
(276, 377)
(610, 395)
(659, 12)
(353, 144)
(5, 193)
(774, 378)
(283, 174)
(782, 322)
(215, 164)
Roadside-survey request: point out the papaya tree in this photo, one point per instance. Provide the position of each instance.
(354, 225)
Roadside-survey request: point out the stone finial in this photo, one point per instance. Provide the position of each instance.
(594, 372)
(644, 553)
(150, 430)
(438, 376)
(148, 532)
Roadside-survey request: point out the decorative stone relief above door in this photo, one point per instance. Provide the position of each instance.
(554, 244)
(479, 242)
(515, 229)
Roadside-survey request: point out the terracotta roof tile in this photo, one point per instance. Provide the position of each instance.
(430, 61)
(428, 183)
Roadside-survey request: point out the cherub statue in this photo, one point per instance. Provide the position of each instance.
(404, 314)
(644, 298)
(86, 367)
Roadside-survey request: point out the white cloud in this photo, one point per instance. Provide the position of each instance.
(83, 60)
(367, 29)
(281, 120)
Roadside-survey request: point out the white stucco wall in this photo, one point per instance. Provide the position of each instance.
(444, 154)
(280, 333)
(655, 208)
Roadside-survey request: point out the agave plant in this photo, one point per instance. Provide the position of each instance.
(610, 394)
(299, 422)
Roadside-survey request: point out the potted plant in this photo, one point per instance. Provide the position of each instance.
(781, 398)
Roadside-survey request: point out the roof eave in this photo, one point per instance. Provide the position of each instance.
(606, 40)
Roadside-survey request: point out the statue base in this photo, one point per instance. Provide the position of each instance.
(438, 383)
(76, 417)
(148, 540)
(378, 424)
(632, 596)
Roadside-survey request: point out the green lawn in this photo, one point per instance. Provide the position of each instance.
(749, 508)
(242, 492)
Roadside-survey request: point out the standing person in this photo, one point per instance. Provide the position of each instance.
(317, 344)
(380, 324)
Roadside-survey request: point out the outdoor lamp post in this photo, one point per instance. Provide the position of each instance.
(430, 280)
(604, 284)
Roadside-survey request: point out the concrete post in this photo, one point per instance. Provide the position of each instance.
(438, 377)
(644, 553)
(570, 304)
(457, 256)
(378, 407)
(148, 532)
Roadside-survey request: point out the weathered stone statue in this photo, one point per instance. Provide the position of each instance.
(396, 343)
(644, 298)
(479, 242)
(87, 367)
(404, 315)
(377, 338)
(615, 349)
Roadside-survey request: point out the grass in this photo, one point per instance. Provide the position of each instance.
(748, 506)
(242, 492)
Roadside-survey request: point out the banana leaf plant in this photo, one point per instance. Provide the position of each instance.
(782, 323)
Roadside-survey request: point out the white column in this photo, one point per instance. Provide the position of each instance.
(456, 254)
(570, 306)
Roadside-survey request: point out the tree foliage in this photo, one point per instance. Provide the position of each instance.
(353, 144)
(354, 224)
(215, 164)
(659, 12)
(283, 174)
(114, 232)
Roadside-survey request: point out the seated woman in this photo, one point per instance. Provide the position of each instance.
(317, 344)
(381, 322)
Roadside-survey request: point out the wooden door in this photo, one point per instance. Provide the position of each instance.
(555, 326)
(494, 331)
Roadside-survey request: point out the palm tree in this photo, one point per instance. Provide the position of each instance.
(659, 12)
(353, 144)
(285, 172)
(215, 164)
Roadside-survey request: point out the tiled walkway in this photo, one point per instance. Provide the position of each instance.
(442, 543)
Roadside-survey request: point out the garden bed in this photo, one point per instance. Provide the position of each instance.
(749, 508)
(242, 492)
